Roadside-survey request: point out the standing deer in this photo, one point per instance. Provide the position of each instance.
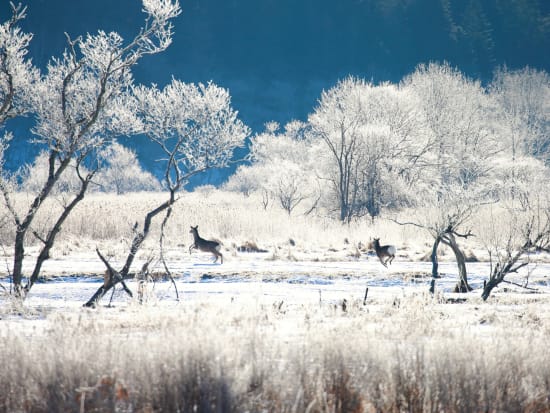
(205, 245)
(384, 251)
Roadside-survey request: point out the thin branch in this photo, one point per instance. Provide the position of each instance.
(114, 275)
(414, 224)
(468, 234)
(515, 269)
(521, 286)
(161, 243)
(38, 236)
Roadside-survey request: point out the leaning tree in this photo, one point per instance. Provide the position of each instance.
(447, 215)
(464, 147)
(196, 129)
(78, 104)
(515, 232)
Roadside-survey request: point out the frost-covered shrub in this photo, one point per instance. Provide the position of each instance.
(123, 172)
(34, 176)
(244, 180)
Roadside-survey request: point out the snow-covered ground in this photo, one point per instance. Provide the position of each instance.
(70, 282)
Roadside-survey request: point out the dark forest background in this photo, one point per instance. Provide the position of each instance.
(276, 56)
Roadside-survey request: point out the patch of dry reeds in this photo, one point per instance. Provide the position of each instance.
(248, 355)
(107, 220)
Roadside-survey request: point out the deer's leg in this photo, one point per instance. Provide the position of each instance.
(218, 254)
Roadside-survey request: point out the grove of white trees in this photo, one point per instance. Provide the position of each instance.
(438, 143)
(368, 148)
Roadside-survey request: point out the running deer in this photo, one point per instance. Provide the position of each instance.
(205, 245)
(384, 251)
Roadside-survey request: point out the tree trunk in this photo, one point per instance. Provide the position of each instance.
(136, 245)
(23, 227)
(50, 239)
(488, 287)
(19, 255)
(114, 277)
(462, 285)
(435, 264)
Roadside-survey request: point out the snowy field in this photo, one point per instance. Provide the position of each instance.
(68, 283)
(263, 334)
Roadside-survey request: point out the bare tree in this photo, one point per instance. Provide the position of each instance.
(522, 98)
(373, 137)
(196, 128)
(512, 233)
(78, 104)
(288, 193)
(446, 218)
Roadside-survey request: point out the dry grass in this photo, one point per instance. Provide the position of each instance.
(249, 355)
(107, 220)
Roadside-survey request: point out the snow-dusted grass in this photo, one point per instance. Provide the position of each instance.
(249, 354)
(106, 220)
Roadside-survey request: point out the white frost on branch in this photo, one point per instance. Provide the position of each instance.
(193, 122)
(17, 74)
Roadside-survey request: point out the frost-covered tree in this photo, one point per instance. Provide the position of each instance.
(514, 231)
(290, 143)
(122, 172)
(373, 140)
(17, 74)
(282, 167)
(514, 177)
(470, 157)
(244, 180)
(78, 104)
(194, 123)
(461, 120)
(339, 121)
(447, 216)
(197, 129)
(523, 108)
(33, 177)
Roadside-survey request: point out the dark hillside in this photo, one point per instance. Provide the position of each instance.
(276, 56)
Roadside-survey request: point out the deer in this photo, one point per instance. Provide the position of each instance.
(205, 245)
(384, 251)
